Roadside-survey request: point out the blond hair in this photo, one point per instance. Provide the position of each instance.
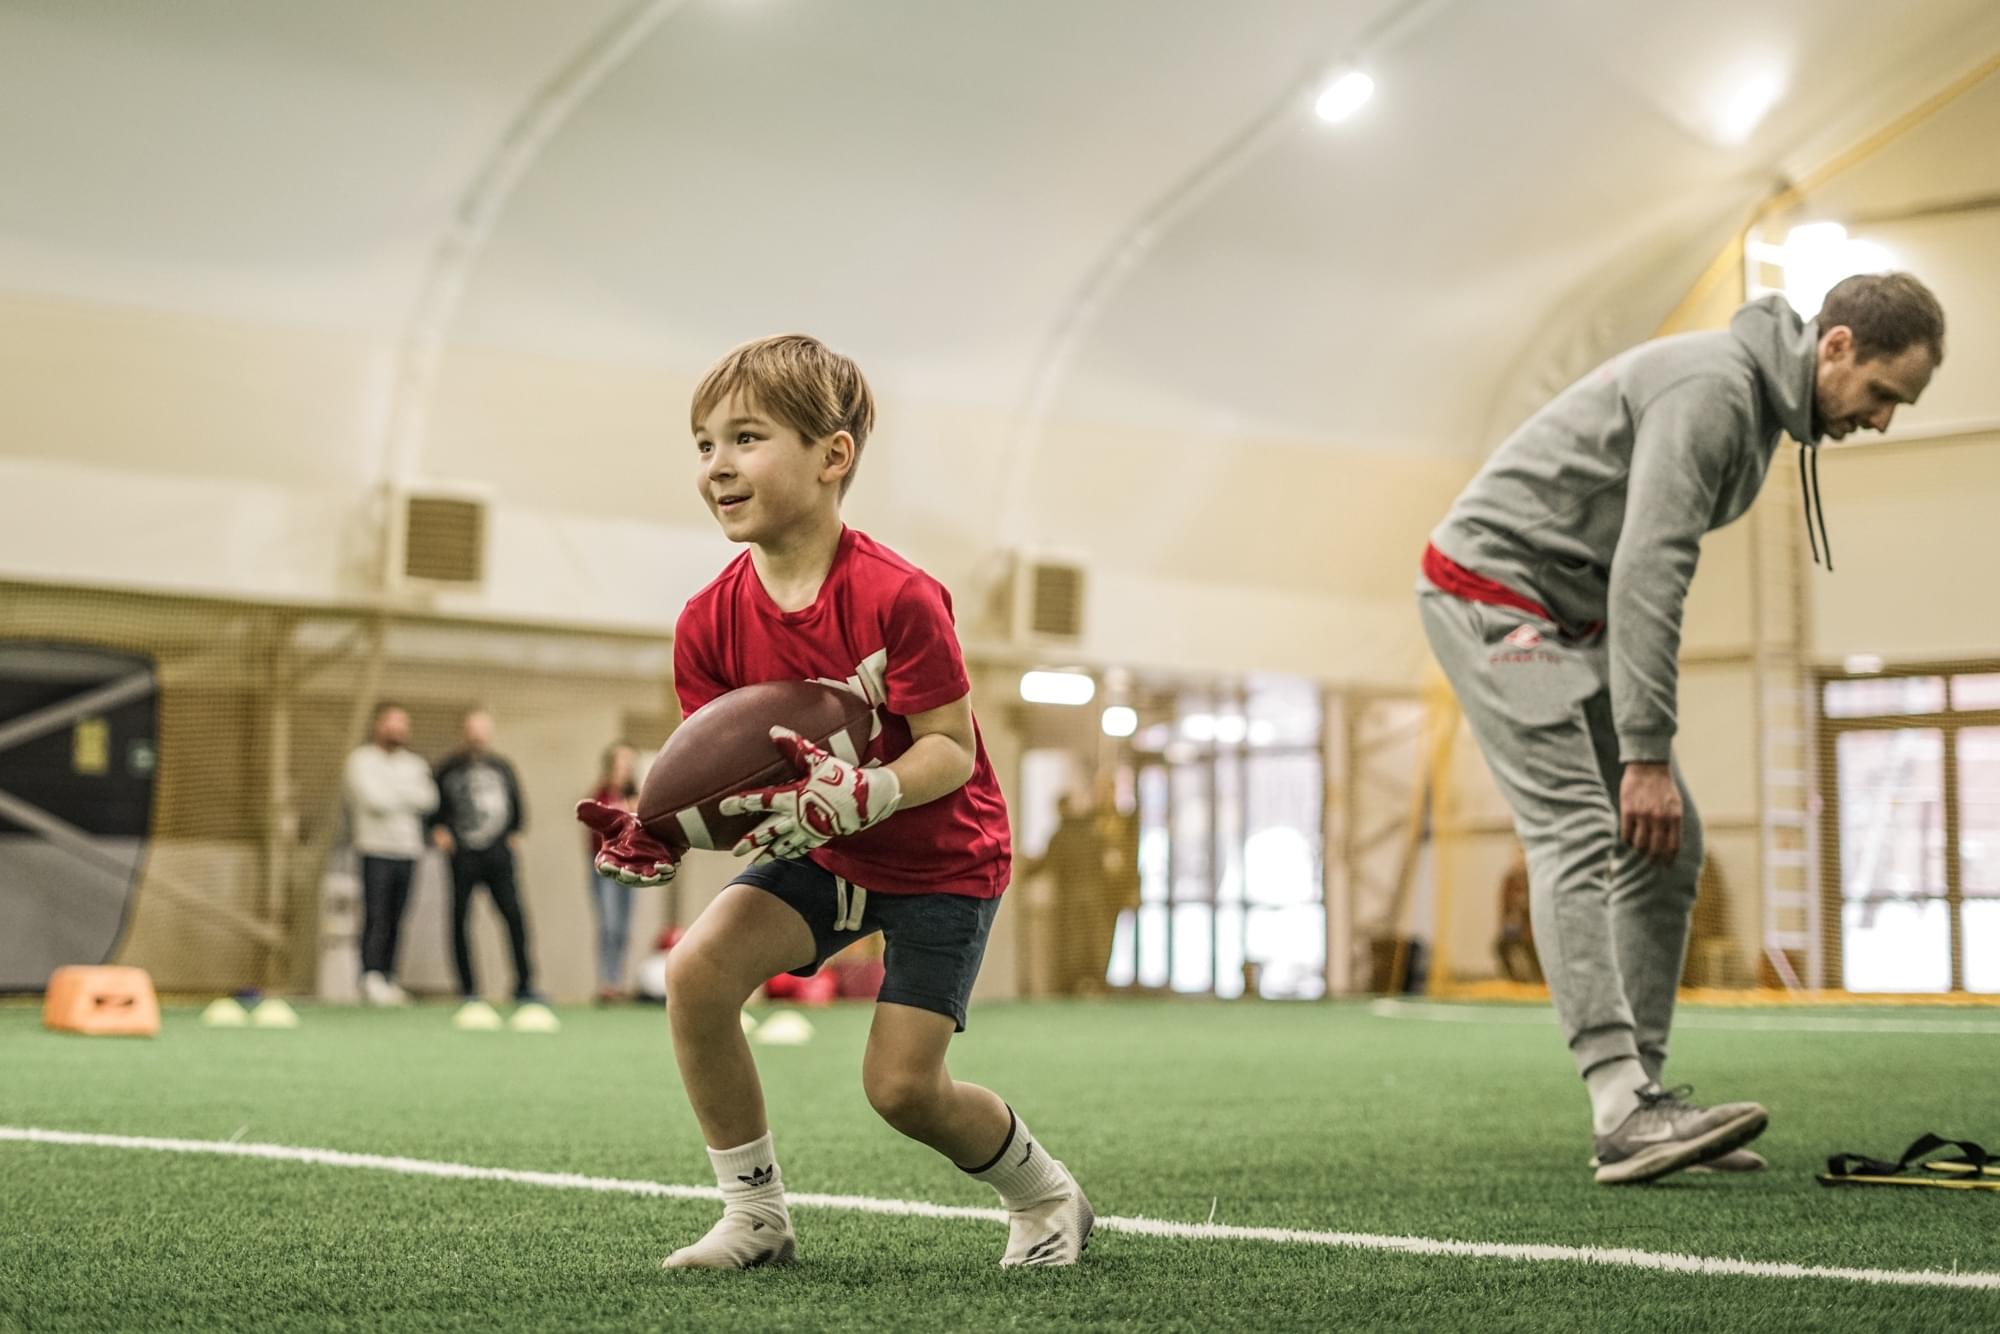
(799, 381)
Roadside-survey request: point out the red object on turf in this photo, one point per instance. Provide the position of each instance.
(725, 748)
(822, 988)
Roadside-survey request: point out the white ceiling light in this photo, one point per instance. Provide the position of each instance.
(1057, 688)
(1347, 94)
(1231, 728)
(1863, 664)
(1743, 109)
(1198, 727)
(1119, 721)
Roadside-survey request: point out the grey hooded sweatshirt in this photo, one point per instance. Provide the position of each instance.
(1596, 506)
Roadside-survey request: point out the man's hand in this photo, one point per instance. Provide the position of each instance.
(832, 800)
(629, 855)
(1649, 811)
(442, 839)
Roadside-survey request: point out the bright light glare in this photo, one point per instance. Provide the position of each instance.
(1343, 97)
(1816, 255)
(1119, 721)
(1230, 729)
(1745, 109)
(1057, 688)
(1198, 727)
(1863, 664)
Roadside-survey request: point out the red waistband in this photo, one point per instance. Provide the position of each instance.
(1460, 582)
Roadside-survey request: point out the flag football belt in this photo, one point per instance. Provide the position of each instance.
(1973, 1169)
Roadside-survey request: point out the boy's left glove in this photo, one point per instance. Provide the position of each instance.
(832, 800)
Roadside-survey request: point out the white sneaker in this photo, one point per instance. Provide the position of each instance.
(377, 989)
(745, 1238)
(1055, 1231)
(397, 996)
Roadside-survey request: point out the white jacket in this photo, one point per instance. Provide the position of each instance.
(388, 795)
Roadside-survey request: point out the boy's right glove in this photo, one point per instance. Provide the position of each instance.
(628, 853)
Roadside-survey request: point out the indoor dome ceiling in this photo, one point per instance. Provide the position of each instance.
(933, 183)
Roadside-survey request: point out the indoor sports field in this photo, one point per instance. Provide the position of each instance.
(1415, 1137)
(1391, 601)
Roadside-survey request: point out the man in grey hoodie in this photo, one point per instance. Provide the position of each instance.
(1552, 596)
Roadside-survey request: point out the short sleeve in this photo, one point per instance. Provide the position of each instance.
(696, 680)
(926, 669)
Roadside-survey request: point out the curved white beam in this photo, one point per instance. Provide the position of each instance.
(406, 417)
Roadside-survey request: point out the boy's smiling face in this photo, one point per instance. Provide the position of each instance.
(759, 477)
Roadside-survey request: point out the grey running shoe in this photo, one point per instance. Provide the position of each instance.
(1666, 1133)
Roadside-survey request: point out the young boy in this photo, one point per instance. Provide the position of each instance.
(914, 843)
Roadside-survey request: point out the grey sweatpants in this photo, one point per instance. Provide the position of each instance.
(1611, 926)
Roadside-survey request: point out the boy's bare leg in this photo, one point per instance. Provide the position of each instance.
(743, 938)
(906, 1081)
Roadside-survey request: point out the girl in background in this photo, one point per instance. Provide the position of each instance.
(617, 785)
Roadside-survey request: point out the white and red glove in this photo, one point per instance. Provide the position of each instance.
(627, 852)
(832, 800)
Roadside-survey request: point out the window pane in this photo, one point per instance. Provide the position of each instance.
(1288, 945)
(1192, 924)
(1153, 946)
(1982, 945)
(1876, 695)
(1283, 853)
(1194, 848)
(1979, 810)
(1891, 814)
(1229, 951)
(1229, 813)
(1283, 711)
(1897, 946)
(1976, 692)
(1123, 959)
(1153, 838)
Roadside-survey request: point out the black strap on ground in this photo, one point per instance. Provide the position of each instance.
(1973, 1169)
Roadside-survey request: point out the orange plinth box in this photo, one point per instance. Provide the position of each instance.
(105, 1000)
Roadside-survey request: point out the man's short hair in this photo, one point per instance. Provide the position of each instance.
(1888, 312)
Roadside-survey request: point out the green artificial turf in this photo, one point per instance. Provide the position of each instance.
(1325, 1117)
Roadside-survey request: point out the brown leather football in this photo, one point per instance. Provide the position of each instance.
(725, 747)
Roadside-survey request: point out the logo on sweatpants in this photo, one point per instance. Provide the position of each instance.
(1524, 643)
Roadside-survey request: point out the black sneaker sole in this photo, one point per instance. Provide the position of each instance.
(1658, 1160)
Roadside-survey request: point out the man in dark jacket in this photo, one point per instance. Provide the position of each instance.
(478, 824)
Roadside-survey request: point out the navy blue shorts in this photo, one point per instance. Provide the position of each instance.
(934, 942)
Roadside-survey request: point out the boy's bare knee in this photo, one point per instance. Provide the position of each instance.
(905, 1099)
(694, 978)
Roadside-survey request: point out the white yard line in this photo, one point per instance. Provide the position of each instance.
(1743, 1021)
(1660, 1261)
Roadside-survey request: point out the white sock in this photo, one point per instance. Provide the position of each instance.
(750, 1180)
(1022, 1171)
(1614, 1092)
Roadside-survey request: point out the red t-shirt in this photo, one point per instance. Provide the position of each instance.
(882, 625)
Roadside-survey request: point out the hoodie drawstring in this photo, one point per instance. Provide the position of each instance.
(1814, 503)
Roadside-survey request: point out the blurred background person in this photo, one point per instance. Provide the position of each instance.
(611, 900)
(1092, 880)
(478, 825)
(1514, 946)
(389, 791)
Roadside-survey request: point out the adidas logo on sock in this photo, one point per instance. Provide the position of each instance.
(762, 1176)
